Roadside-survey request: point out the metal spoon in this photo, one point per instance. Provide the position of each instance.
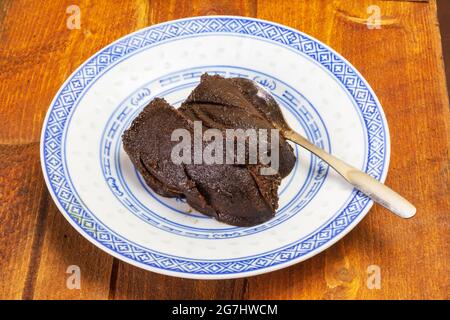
(377, 191)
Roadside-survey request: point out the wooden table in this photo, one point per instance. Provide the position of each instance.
(403, 63)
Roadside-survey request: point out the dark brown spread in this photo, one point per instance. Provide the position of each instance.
(236, 194)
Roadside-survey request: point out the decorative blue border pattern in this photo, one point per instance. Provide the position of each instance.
(81, 218)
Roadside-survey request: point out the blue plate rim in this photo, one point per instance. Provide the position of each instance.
(215, 275)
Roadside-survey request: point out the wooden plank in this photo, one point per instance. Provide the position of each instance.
(38, 52)
(135, 283)
(403, 63)
(63, 248)
(22, 218)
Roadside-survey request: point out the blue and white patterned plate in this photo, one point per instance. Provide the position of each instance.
(101, 194)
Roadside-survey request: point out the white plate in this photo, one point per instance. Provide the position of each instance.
(101, 194)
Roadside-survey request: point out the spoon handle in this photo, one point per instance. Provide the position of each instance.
(377, 191)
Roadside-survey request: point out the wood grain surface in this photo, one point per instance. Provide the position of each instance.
(403, 63)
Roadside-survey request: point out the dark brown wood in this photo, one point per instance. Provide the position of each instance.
(403, 63)
(444, 26)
